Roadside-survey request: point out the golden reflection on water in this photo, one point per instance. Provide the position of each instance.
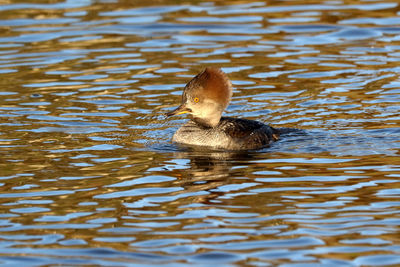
(88, 173)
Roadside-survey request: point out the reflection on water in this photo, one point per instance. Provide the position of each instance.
(88, 173)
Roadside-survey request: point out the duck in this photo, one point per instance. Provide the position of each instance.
(204, 99)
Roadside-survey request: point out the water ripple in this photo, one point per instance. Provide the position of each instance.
(89, 175)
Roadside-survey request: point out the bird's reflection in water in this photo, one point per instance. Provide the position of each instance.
(209, 170)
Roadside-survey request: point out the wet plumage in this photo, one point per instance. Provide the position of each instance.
(230, 134)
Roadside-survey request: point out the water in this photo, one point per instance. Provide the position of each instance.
(88, 173)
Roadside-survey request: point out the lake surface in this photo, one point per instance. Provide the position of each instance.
(89, 175)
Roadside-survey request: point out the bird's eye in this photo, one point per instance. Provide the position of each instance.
(196, 99)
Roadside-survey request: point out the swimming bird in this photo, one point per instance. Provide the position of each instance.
(205, 98)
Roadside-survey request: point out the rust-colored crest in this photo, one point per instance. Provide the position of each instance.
(213, 84)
